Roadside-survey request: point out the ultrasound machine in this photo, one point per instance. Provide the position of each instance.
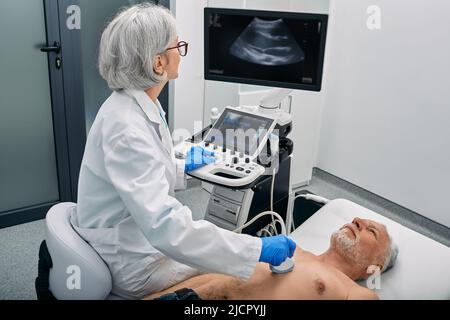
(251, 144)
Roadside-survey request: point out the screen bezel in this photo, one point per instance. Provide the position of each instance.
(270, 14)
(263, 141)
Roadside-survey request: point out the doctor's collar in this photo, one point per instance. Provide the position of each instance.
(153, 110)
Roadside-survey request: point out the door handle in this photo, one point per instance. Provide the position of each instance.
(55, 48)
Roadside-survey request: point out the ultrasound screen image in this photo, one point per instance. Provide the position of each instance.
(266, 48)
(267, 42)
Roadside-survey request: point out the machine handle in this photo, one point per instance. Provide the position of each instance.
(55, 48)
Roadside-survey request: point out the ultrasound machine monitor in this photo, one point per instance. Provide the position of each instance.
(241, 132)
(268, 48)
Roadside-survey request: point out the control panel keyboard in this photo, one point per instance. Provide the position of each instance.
(231, 168)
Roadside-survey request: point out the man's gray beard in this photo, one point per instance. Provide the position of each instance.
(348, 247)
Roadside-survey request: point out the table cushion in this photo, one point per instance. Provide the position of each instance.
(422, 267)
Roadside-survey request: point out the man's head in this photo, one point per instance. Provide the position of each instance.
(364, 244)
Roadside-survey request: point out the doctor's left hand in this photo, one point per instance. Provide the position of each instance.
(198, 157)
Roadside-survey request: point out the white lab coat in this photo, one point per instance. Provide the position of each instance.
(127, 210)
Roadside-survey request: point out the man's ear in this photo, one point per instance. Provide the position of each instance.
(372, 269)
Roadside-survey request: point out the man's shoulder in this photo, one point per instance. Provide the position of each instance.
(358, 292)
(342, 284)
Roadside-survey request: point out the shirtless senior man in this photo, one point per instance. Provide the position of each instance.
(355, 249)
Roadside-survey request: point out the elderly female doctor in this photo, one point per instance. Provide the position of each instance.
(126, 206)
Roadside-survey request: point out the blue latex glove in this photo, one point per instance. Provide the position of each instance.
(276, 249)
(198, 157)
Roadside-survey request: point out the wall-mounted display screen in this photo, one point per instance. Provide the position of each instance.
(278, 49)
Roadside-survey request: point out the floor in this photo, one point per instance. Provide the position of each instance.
(19, 245)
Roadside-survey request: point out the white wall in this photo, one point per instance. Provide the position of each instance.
(386, 113)
(221, 94)
(192, 98)
(386, 116)
(188, 90)
(305, 129)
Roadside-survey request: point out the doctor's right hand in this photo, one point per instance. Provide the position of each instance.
(198, 157)
(275, 250)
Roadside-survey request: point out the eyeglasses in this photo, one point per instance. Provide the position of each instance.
(182, 47)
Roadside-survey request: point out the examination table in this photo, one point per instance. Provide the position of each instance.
(422, 267)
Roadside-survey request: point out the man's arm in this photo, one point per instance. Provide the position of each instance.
(193, 283)
(361, 293)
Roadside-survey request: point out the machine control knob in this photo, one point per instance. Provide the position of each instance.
(247, 160)
(235, 160)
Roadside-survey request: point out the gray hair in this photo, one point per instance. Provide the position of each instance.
(391, 254)
(130, 44)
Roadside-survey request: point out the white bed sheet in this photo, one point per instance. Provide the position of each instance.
(422, 270)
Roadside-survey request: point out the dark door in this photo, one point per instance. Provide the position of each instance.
(34, 159)
(50, 92)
